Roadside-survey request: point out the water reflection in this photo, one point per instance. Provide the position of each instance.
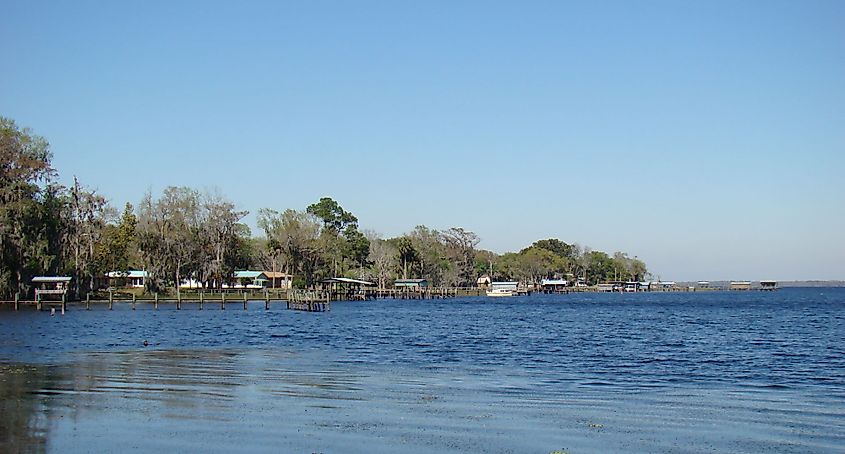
(260, 400)
(24, 422)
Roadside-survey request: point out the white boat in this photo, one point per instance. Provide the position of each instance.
(499, 292)
(509, 288)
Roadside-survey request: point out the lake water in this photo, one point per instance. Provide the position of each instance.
(591, 373)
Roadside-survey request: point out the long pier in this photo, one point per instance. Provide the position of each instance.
(294, 299)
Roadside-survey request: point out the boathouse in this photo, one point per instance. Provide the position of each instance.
(344, 288)
(412, 284)
(606, 287)
(740, 285)
(632, 286)
(553, 285)
(50, 288)
(768, 285)
(51, 284)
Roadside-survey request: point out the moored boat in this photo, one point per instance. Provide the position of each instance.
(503, 289)
(499, 292)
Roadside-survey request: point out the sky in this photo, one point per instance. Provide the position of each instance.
(706, 138)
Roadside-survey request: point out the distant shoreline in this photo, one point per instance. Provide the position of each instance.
(808, 283)
(812, 284)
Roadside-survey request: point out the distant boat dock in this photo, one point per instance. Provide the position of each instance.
(319, 300)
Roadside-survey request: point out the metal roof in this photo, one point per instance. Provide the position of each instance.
(249, 274)
(553, 282)
(130, 273)
(276, 274)
(51, 279)
(346, 280)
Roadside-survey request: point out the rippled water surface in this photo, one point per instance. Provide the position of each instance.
(683, 372)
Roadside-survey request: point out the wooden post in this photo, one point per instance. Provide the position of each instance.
(64, 302)
(111, 299)
(244, 300)
(201, 300)
(155, 304)
(17, 299)
(88, 301)
(223, 300)
(133, 301)
(266, 300)
(37, 301)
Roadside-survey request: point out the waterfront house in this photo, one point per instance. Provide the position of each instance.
(278, 279)
(740, 285)
(413, 284)
(131, 278)
(250, 280)
(484, 281)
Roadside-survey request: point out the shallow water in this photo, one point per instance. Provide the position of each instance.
(700, 372)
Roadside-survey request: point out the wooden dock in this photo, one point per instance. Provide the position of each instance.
(294, 299)
(309, 300)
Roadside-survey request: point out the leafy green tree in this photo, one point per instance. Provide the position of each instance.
(334, 217)
(31, 209)
(117, 249)
(341, 243)
(294, 236)
(556, 246)
(407, 253)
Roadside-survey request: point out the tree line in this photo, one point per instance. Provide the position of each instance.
(49, 229)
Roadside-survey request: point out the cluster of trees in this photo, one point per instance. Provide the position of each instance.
(46, 228)
(552, 257)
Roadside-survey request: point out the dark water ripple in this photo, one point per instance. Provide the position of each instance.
(789, 338)
(766, 369)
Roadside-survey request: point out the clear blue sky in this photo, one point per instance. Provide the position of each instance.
(707, 138)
